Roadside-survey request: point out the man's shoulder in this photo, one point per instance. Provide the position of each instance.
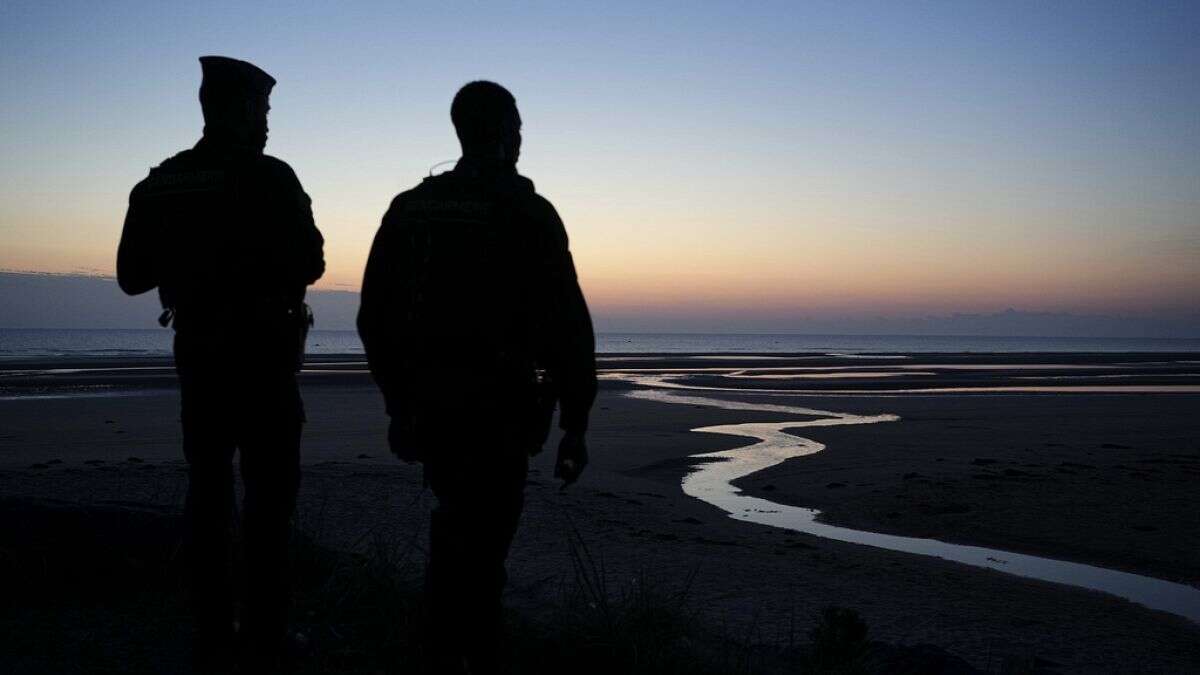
(418, 191)
(450, 189)
(185, 160)
(181, 159)
(443, 187)
(533, 204)
(273, 163)
(276, 168)
(522, 185)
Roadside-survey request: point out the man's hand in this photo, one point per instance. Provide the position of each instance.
(402, 437)
(572, 458)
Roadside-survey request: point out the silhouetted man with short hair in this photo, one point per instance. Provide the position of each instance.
(226, 234)
(468, 294)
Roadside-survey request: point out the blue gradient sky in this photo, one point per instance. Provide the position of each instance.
(710, 160)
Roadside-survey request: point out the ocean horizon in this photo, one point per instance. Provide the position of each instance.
(16, 344)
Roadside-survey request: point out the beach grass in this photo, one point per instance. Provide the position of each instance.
(97, 589)
(363, 612)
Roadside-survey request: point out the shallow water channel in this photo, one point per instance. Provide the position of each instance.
(711, 480)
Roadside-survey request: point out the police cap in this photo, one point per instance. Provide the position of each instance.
(226, 78)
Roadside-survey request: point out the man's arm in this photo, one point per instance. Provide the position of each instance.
(308, 260)
(572, 343)
(312, 259)
(569, 347)
(136, 254)
(375, 302)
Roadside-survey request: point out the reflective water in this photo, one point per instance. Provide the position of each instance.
(669, 381)
(80, 393)
(712, 482)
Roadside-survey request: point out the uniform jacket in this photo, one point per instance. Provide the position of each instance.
(470, 288)
(227, 237)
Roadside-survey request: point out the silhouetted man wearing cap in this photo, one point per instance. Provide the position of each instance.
(474, 327)
(226, 234)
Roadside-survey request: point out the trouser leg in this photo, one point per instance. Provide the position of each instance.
(208, 516)
(472, 527)
(270, 461)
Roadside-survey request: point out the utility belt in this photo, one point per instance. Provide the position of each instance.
(517, 414)
(268, 334)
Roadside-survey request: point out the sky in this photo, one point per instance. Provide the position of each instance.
(716, 164)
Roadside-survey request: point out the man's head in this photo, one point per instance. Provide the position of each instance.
(234, 99)
(487, 122)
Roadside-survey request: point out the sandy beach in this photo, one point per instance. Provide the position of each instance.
(984, 451)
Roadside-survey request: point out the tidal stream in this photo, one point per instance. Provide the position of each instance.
(711, 480)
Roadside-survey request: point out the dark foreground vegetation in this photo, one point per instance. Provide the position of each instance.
(98, 589)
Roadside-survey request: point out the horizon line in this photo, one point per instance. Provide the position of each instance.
(739, 333)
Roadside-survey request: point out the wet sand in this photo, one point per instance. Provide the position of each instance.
(1105, 479)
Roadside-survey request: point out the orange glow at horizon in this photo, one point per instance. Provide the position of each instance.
(853, 274)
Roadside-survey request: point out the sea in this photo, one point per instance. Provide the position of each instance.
(21, 344)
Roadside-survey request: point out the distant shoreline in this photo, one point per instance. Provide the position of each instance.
(137, 345)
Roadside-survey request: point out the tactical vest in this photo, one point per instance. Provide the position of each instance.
(467, 302)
